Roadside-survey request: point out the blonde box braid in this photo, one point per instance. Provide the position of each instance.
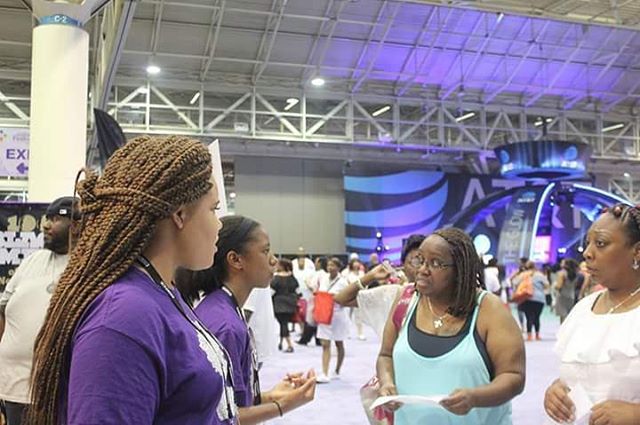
(469, 270)
(145, 181)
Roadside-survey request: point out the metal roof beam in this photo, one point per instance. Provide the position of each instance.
(316, 38)
(505, 59)
(477, 56)
(372, 32)
(17, 75)
(220, 86)
(531, 9)
(458, 58)
(274, 34)
(157, 21)
(212, 38)
(543, 43)
(173, 107)
(609, 106)
(265, 34)
(227, 111)
(394, 75)
(430, 50)
(12, 107)
(604, 70)
(327, 42)
(379, 47)
(558, 73)
(278, 115)
(418, 41)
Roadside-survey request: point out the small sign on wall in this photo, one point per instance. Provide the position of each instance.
(20, 235)
(14, 152)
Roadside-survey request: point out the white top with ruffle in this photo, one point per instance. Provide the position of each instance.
(601, 352)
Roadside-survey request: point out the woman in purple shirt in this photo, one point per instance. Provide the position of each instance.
(243, 261)
(119, 345)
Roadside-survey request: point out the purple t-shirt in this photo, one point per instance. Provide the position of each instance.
(218, 313)
(136, 359)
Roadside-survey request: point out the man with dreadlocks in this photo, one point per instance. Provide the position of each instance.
(599, 342)
(119, 345)
(24, 303)
(456, 340)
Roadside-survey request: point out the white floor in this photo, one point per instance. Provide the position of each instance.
(339, 401)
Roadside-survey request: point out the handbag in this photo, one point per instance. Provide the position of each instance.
(323, 303)
(323, 307)
(301, 311)
(369, 394)
(524, 291)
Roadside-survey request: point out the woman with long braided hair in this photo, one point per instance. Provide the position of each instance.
(599, 342)
(456, 341)
(119, 344)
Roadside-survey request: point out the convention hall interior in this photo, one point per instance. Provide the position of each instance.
(344, 127)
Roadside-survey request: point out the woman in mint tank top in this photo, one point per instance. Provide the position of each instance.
(456, 341)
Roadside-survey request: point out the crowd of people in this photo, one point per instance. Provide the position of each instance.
(144, 307)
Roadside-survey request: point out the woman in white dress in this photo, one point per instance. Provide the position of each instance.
(338, 330)
(599, 342)
(375, 304)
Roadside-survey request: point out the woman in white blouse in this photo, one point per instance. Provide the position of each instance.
(375, 304)
(599, 343)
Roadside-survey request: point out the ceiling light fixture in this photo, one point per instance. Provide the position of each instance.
(540, 122)
(153, 70)
(291, 102)
(612, 127)
(195, 98)
(318, 82)
(381, 111)
(465, 116)
(626, 175)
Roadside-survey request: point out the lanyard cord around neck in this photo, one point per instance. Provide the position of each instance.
(255, 384)
(199, 327)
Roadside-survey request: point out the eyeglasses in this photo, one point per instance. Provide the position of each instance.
(418, 261)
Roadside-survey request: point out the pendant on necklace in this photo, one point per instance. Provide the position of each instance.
(437, 323)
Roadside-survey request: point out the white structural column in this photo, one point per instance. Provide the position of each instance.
(59, 90)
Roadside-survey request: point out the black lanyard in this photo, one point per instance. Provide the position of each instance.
(255, 384)
(199, 327)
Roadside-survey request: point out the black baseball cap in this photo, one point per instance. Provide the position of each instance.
(63, 207)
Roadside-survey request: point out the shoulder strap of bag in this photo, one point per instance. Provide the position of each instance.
(402, 307)
(332, 284)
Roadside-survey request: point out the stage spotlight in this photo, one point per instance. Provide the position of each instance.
(378, 235)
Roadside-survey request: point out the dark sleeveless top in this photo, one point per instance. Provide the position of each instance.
(428, 345)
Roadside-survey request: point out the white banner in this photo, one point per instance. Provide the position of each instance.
(214, 149)
(14, 152)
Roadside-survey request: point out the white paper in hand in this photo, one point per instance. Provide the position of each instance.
(433, 400)
(583, 404)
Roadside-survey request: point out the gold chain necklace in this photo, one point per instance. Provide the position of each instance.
(614, 308)
(438, 322)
